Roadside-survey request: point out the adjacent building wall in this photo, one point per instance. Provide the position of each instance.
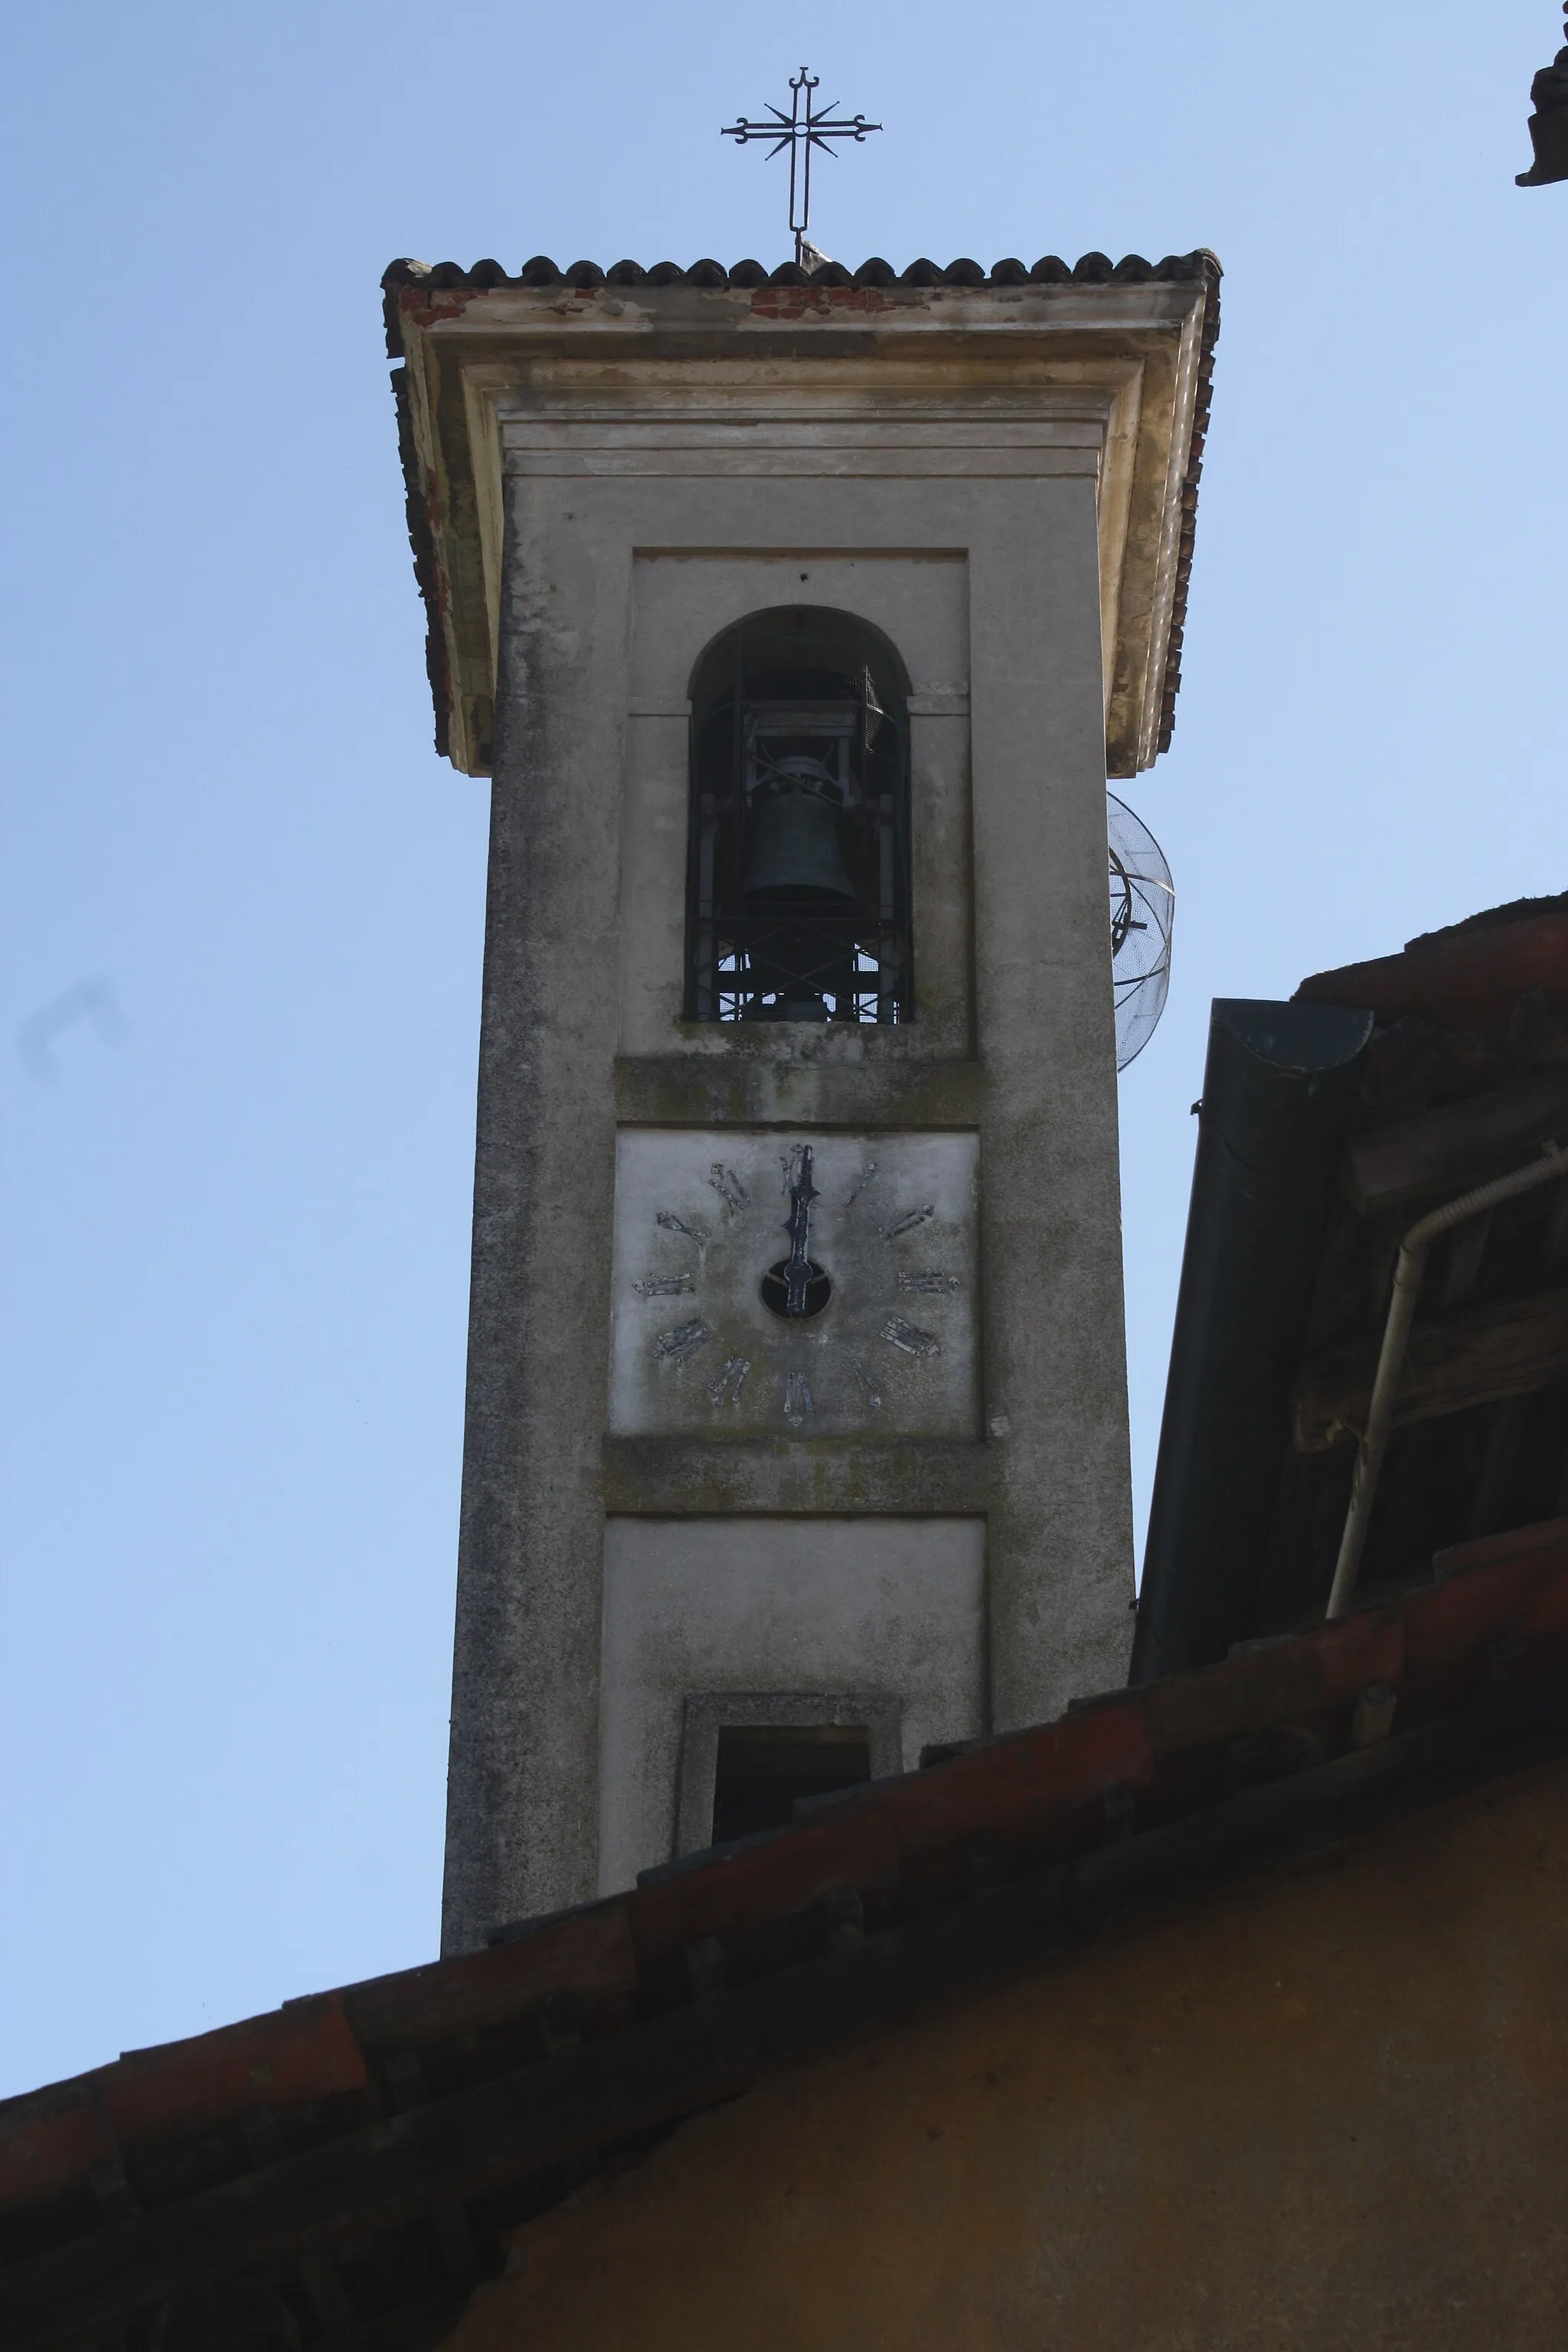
(1327, 2109)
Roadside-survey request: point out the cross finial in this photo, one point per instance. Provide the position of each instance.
(800, 131)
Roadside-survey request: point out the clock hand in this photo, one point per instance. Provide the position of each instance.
(798, 1271)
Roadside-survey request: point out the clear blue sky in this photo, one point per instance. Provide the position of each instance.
(236, 1184)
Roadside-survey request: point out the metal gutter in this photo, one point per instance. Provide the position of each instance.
(1277, 1084)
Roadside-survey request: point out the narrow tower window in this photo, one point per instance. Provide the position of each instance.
(798, 893)
(763, 1771)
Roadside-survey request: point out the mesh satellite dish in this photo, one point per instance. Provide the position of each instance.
(1142, 907)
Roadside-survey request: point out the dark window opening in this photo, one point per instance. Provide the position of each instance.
(763, 1769)
(798, 890)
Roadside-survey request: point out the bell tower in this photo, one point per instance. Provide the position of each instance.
(798, 618)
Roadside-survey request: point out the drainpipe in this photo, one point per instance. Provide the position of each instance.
(1407, 1274)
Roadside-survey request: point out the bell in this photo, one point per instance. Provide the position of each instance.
(795, 849)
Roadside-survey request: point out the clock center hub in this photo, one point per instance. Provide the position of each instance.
(776, 1286)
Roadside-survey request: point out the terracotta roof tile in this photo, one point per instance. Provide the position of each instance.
(1473, 971)
(349, 2118)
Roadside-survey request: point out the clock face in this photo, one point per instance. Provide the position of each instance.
(794, 1285)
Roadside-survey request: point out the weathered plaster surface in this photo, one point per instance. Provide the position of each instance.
(804, 1604)
(1327, 2110)
(964, 512)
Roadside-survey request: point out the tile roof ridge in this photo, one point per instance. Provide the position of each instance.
(1518, 1577)
(1094, 269)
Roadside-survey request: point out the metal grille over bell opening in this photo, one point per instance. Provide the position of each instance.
(1142, 911)
(798, 877)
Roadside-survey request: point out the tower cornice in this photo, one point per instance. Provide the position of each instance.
(1104, 367)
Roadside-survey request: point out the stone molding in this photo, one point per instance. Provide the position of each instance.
(1102, 366)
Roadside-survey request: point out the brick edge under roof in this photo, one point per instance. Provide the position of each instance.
(404, 277)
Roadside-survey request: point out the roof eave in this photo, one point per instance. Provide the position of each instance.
(436, 316)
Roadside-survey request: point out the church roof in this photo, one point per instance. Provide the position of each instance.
(365, 2153)
(1327, 1126)
(789, 293)
(1090, 270)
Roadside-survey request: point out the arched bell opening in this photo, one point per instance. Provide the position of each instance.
(797, 886)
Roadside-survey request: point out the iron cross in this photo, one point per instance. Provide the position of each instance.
(800, 133)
